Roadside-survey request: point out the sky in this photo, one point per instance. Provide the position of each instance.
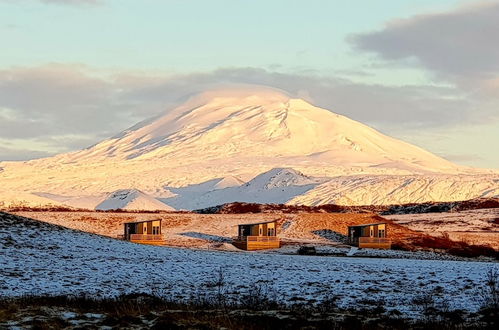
(75, 72)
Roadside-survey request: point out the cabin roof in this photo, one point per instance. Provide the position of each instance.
(369, 224)
(142, 221)
(256, 223)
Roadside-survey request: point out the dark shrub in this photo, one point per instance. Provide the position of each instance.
(307, 250)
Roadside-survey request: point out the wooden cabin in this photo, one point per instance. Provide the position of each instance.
(257, 236)
(372, 235)
(146, 232)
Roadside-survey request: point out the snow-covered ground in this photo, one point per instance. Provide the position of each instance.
(40, 258)
(475, 226)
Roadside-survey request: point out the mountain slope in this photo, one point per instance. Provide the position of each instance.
(223, 138)
(263, 123)
(278, 185)
(400, 189)
(133, 200)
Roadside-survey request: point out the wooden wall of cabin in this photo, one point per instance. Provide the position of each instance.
(381, 228)
(373, 231)
(144, 227)
(255, 230)
(270, 229)
(263, 229)
(156, 224)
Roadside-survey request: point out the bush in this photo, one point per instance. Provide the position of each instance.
(457, 248)
(489, 296)
(473, 251)
(307, 250)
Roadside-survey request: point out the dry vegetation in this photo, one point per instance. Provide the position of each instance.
(258, 310)
(470, 227)
(204, 230)
(214, 231)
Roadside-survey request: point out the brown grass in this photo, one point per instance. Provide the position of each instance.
(457, 248)
(300, 226)
(146, 311)
(291, 227)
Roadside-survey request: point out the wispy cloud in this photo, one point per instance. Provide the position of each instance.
(13, 154)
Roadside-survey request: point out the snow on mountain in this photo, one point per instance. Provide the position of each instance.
(79, 202)
(278, 185)
(215, 184)
(131, 199)
(227, 182)
(281, 177)
(398, 189)
(209, 145)
(260, 122)
(20, 198)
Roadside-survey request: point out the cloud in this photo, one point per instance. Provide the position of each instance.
(16, 154)
(408, 106)
(57, 99)
(462, 158)
(455, 43)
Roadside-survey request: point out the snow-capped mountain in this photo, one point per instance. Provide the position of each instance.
(237, 124)
(220, 139)
(131, 199)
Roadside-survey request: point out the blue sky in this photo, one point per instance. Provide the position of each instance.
(194, 35)
(389, 64)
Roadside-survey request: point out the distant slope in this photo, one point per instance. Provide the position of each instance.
(133, 200)
(412, 208)
(278, 185)
(400, 189)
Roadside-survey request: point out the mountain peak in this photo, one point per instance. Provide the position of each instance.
(259, 121)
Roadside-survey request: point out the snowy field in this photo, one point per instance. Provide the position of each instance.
(40, 258)
(475, 226)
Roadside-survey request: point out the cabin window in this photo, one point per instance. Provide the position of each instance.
(155, 230)
(270, 232)
(372, 233)
(260, 232)
(381, 233)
